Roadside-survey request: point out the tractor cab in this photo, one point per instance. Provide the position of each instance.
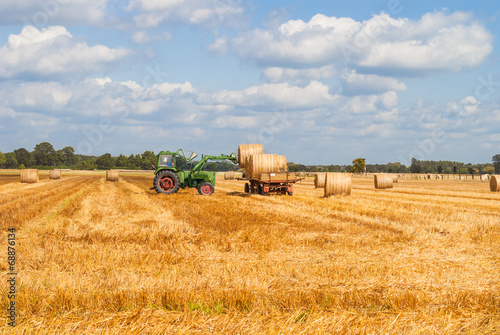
(176, 160)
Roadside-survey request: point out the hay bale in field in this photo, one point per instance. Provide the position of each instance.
(229, 175)
(337, 184)
(383, 181)
(282, 163)
(246, 150)
(29, 176)
(55, 174)
(112, 175)
(428, 176)
(394, 178)
(319, 180)
(495, 183)
(484, 177)
(258, 164)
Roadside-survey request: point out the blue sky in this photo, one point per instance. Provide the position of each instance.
(321, 82)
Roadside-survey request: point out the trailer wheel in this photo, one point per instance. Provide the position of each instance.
(205, 188)
(290, 193)
(259, 189)
(167, 182)
(247, 188)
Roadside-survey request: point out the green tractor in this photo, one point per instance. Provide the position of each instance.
(172, 172)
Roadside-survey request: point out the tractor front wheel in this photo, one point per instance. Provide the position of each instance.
(205, 188)
(167, 182)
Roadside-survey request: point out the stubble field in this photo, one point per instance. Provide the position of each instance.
(99, 257)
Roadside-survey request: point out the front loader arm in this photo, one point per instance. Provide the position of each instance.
(206, 158)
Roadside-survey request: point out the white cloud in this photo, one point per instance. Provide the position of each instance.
(278, 95)
(438, 42)
(355, 83)
(219, 47)
(198, 12)
(279, 74)
(52, 12)
(53, 51)
(166, 88)
(48, 96)
(142, 37)
(239, 122)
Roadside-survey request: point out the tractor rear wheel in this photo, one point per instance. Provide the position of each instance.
(167, 182)
(205, 188)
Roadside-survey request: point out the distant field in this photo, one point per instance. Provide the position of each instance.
(98, 257)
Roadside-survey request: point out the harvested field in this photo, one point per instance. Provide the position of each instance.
(116, 258)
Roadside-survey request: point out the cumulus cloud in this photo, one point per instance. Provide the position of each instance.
(53, 12)
(282, 95)
(355, 84)
(152, 13)
(142, 37)
(53, 51)
(279, 74)
(438, 42)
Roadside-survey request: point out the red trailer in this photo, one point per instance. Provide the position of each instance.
(273, 183)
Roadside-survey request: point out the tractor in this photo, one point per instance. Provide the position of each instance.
(172, 172)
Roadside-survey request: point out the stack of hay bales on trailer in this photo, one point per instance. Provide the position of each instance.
(252, 159)
(29, 176)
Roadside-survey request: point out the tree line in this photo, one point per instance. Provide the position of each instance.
(44, 156)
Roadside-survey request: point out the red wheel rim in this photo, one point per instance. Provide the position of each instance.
(205, 189)
(166, 183)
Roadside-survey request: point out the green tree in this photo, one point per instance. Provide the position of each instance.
(489, 170)
(10, 161)
(121, 161)
(358, 165)
(496, 163)
(415, 166)
(105, 162)
(21, 167)
(45, 154)
(455, 169)
(24, 157)
(2, 159)
(86, 165)
(331, 168)
(148, 158)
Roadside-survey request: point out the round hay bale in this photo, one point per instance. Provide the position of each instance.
(383, 181)
(258, 164)
(495, 183)
(112, 175)
(229, 175)
(29, 176)
(55, 174)
(337, 184)
(428, 176)
(484, 177)
(282, 163)
(394, 178)
(319, 180)
(246, 150)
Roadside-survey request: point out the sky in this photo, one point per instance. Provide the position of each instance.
(321, 82)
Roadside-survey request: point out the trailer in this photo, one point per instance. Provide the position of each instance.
(273, 183)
